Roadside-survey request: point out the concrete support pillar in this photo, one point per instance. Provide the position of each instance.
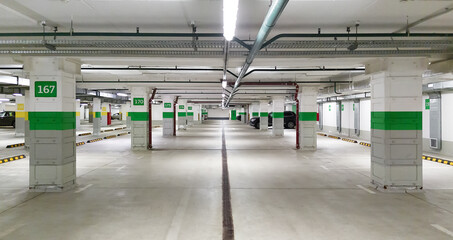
(52, 123)
(308, 108)
(139, 118)
(27, 122)
(20, 116)
(104, 109)
(96, 116)
(264, 105)
(77, 108)
(190, 112)
(255, 110)
(243, 114)
(396, 122)
(167, 116)
(204, 114)
(182, 114)
(278, 109)
(196, 114)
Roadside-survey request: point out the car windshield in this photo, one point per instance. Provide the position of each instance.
(2, 114)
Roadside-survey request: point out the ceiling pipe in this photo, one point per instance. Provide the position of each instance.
(435, 14)
(269, 22)
(306, 70)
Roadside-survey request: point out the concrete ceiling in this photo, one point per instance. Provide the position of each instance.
(300, 16)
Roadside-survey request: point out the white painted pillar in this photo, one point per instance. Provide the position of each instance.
(308, 109)
(96, 116)
(77, 108)
(52, 123)
(396, 122)
(19, 121)
(27, 122)
(278, 109)
(168, 116)
(264, 115)
(190, 113)
(139, 118)
(104, 110)
(182, 114)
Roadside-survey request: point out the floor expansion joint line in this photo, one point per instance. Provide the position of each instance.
(228, 226)
(442, 229)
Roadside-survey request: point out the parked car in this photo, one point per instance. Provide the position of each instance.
(8, 119)
(116, 116)
(238, 117)
(289, 120)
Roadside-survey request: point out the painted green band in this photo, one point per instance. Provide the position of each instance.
(242, 113)
(52, 120)
(308, 116)
(139, 116)
(264, 114)
(396, 120)
(205, 113)
(278, 115)
(97, 115)
(255, 114)
(189, 114)
(168, 115)
(181, 114)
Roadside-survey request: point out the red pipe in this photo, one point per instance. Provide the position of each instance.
(174, 115)
(150, 120)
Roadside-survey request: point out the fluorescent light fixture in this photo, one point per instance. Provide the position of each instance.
(8, 79)
(122, 94)
(17, 94)
(4, 100)
(430, 85)
(230, 12)
(224, 84)
(223, 95)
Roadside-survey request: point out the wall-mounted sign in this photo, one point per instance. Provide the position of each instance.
(427, 104)
(167, 105)
(46, 89)
(189, 108)
(181, 106)
(139, 101)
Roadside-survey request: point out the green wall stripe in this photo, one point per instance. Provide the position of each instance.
(264, 114)
(97, 114)
(308, 116)
(396, 120)
(182, 114)
(52, 120)
(139, 116)
(168, 115)
(189, 114)
(278, 115)
(242, 113)
(255, 114)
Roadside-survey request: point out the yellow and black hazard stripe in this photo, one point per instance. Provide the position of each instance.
(122, 134)
(365, 144)
(322, 134)
(438, 160)
(111, 136)
(80, 144)
(108, 130)
(94, 140)
(84, 134)
(349, 140)
(15, 145)
(10, 159)
(119, 128)
(334, 137)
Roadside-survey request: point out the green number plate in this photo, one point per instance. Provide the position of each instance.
(167, 105)
(46, 89)
(139, 101)
(190, 108)
(181, 106)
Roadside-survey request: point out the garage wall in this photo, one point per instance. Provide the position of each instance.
(157, 115)
(365, 119)
(347, 119)
(218, 113)
(330, 118)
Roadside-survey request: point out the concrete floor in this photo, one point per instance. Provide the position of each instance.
(174, 192)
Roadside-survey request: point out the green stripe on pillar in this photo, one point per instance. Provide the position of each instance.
(168, 115)
(52, 120)
(255, 114)
(308, 116)
(181, 114)
(264, 114)
(396, 120)
(97, 114)
(278, 115)
(189, 114)
(139, 116)
(242, 113)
